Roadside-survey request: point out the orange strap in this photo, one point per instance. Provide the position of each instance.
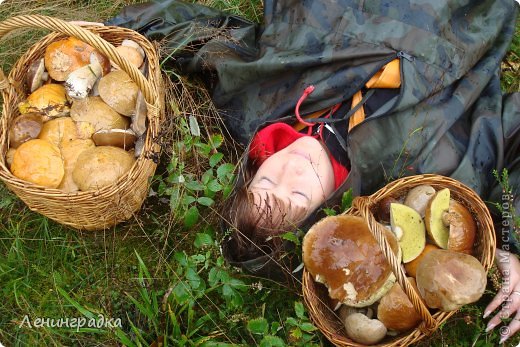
(387, 77)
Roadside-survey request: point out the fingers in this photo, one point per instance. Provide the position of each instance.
(511, 329)
(502, 295)
(510, 306)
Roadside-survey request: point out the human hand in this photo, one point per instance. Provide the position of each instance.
(508, 296)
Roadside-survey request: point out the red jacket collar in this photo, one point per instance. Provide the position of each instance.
(276, 137)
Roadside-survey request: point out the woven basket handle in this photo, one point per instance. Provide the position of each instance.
(363, 205)
(61, 26)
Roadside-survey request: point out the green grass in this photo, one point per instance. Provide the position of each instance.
(161, 272)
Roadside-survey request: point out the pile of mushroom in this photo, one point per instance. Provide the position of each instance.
(81, 120)
(431, 234)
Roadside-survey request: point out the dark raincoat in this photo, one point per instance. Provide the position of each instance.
(449, 117)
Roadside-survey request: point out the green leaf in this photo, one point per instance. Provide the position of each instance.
(296, 333)
(191, 217)
(204, 149)
(175, 178)
(226, 191)
(174, 198)
(202, 240)
(194, 185)
(188, 199)
(346, 200)
(289, 236)
(214, 186)
(193, 278)
(216, 140)
(207, 176)
(215, 158)
(258, 326)
(299, 309)
(205, 201)
(194, 126)
(214, 276)
(224, 170)
(180, 293)
(329, 211)
(307, 327)
(271, 341)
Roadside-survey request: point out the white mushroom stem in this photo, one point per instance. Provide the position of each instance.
(80, 82)
(398, 232)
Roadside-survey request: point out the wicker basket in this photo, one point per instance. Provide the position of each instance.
(315, 294)
(90, 210)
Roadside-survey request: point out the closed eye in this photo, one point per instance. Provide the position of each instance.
(302, 194)
(264, 182)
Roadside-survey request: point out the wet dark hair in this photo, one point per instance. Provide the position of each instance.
(256, 224)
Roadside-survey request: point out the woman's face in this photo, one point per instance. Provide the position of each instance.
(300, 174)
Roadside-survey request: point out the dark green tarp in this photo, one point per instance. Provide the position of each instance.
(450, 116)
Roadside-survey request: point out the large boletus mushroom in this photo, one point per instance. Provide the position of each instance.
(96, 112)
(24, 128)
(64, 56)
(50, 100)
(463, 228)
(101, 166)
(59, 131)
(119, 92)
(396, 311)
(448, 280)
(419, 197)
(36, 75)
(341, 253)
(39, 162)
(70, 153)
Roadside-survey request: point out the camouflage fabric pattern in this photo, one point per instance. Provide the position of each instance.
(450, 116)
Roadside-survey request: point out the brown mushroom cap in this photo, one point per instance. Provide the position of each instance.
(382, 212)
(115, 137)
(36, 75)
(396, 311)
(411, 267)
(463, 228)
(96, 112)
(64, 56)
(101, 166)
(39, 162)
(70, 153)
(132, 54)
(341, 253)
(119, 92)
(49, 99)
(448, 280)
(419, 197)
(59, 131)
(24, 128)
